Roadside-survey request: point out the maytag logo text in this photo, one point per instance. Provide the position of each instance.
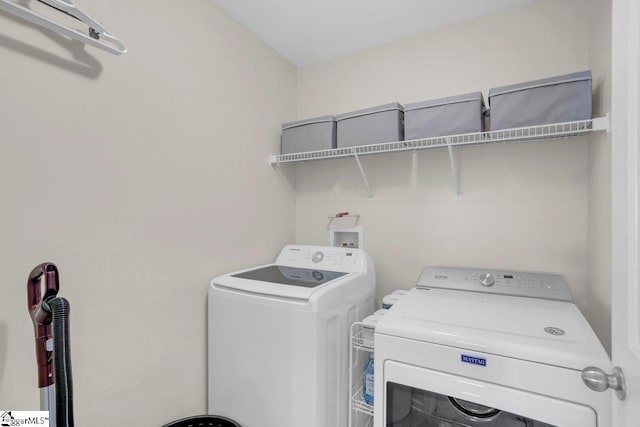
(473, 360)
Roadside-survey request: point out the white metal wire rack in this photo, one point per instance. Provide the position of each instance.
(359, 404)
(363, 339)
(360, 412)
(531, 133)
(555, 130)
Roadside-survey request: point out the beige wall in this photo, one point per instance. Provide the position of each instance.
(142, 177)
(523, 206)
(599, 213)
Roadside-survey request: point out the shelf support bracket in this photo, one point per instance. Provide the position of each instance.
(454, 170)
(364, 176)
(600, 124)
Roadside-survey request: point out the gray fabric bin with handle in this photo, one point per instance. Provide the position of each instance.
(559, 99)
(371, 126)
(309, 135)
(453, 115)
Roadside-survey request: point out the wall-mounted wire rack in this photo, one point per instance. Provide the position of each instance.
(522, 134)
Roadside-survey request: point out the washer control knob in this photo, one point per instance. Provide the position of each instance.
(317, 257)
(487, 279)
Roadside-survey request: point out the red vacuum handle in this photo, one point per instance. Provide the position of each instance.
(42, 278)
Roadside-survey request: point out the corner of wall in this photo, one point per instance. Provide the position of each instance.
(599, 187)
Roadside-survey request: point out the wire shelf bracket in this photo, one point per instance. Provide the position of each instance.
(521, 134)
(454, 171)
(364, 175)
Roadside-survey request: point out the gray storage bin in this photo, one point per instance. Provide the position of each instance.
(445, 116)
(555, 100)
(309, 135)
(371, 126)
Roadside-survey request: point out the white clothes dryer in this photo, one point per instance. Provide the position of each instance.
(278, 349)
(487, 348)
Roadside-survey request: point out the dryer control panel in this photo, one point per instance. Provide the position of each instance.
(323, 257)
(500, 282)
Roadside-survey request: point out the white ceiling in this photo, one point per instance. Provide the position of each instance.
(309, 31)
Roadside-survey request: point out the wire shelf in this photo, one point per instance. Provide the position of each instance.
(363, 339)
(358, 403)
(556, 130)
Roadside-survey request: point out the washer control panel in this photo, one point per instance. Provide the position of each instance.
(501, 282)
(322, 257)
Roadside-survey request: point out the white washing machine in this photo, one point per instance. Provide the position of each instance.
(279, 337)
(487, 348)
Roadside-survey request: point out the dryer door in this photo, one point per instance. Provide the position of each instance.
(419, 396)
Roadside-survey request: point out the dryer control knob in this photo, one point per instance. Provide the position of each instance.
(487, 279)
(317, 257)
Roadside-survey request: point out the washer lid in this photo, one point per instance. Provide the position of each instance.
(290, 276)
(279, 280)
(537, 330)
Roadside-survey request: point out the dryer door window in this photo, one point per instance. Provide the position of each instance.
(408, 407)
(416, 396)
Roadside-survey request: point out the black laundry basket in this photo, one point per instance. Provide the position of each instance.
(203, 421)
